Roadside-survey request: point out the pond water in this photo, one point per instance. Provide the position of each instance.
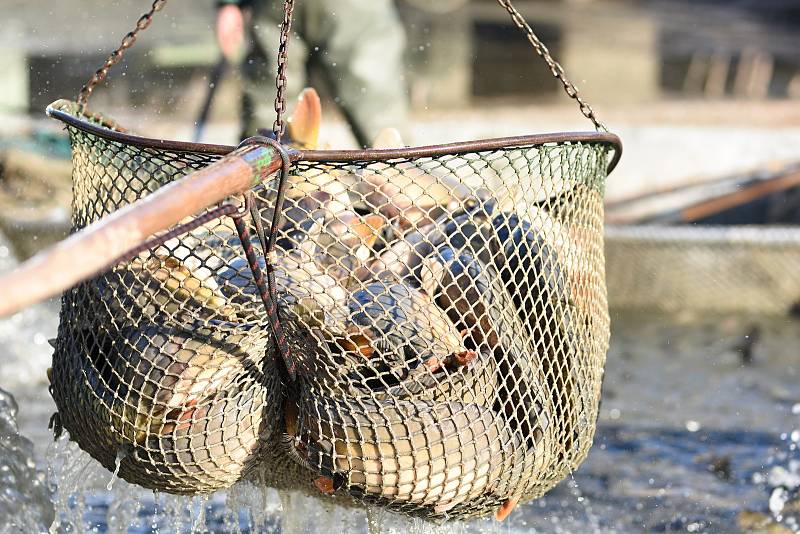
(699, 425)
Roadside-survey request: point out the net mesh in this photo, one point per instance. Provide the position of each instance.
(742, 269)
(448, 316)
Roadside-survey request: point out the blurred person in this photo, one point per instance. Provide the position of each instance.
(358, 43)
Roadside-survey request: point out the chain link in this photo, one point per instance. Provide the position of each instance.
(279, 127)
(116, 56)
(555, 68)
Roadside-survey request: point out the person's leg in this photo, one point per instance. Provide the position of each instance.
(260, 67)
(361, 45)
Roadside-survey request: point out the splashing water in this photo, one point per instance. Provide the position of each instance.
(121, 454)
(782, 481)
(593, 522)
(24, 495)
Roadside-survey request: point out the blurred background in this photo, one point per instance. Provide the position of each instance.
(727, 70)
(699, 424)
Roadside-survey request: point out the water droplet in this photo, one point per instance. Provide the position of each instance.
(778, 500)
(121, 454)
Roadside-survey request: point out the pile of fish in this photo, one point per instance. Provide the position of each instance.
(441, 336)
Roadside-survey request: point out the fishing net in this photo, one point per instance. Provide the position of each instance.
(750, 269)
(449, 357)
(442, 319)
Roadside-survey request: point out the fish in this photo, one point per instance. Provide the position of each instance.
(468, 227)
(409, 191)
(157, 286)
(400, 333)
(399, 453)
(187, 409)
(468, 380)
(475, 297)
(471, 292)
(538, 285)
(305, 293)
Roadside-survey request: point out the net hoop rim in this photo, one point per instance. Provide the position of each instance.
(64, 111)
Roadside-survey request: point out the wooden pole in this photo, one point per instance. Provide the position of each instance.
(737, 198)
(98, 246)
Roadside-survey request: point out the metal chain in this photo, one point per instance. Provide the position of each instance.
(269, 291)
(279, 126)
(116, 56)
(555, 68)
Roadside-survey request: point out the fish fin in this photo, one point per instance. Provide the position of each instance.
(388, 138)
(303, 126)
(325, 485)
(359, 340)
(506, 508)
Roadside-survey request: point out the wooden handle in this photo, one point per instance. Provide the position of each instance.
(98, 246)
(737, 198)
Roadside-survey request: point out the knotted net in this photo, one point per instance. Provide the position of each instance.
(445, 308)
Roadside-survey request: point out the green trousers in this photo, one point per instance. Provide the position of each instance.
(358, 43)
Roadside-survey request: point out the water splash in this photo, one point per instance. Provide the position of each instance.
(24, 495)
(782, 481)
(71, 471)
(257, 507)
(591, 518)
(121, 454)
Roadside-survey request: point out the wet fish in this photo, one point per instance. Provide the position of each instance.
(307, 294)
(433, 455)
(187, 410)
(153, 286)
(408, 191)
(468, 229)
(536, 281)
(476, 298)
(400, 331)
(471, 380)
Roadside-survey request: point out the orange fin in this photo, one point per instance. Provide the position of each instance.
(433, 364)
(324, 484)
(303, 126)
(463, 358)
(506, 508)
(368, 228)
(357, 341)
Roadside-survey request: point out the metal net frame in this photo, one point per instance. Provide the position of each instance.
(428, 333)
